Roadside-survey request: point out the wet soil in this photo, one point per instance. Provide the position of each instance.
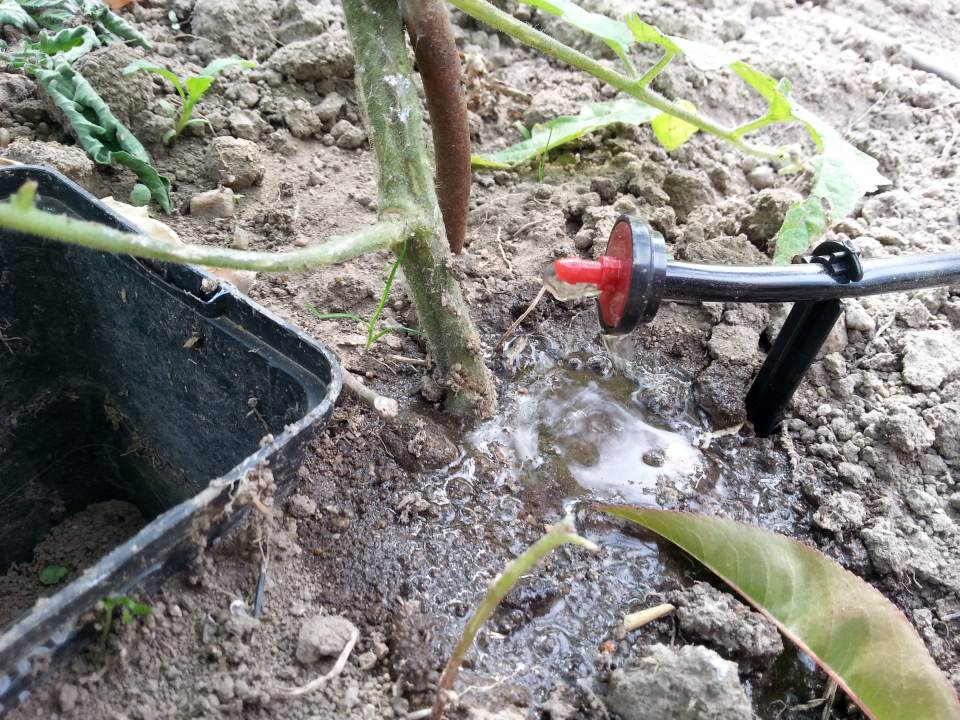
(402, 537)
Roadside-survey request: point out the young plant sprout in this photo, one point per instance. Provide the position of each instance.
(190, 90)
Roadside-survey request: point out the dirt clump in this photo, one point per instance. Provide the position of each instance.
(243, 27)
(719, 620)
(323, 636)
(234, 163)
(687, 683)
(70, 160)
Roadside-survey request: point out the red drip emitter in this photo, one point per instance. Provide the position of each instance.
(629, 275)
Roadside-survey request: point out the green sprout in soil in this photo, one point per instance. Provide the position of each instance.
(190, 90)
(842, 174)
(52, 574)
(560, 534)
(129, 609)
(373, 335)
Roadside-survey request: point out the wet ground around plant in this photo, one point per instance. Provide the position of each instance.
(399, 528)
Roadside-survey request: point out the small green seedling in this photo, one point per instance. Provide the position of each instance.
(189, 90)
(373, 335)
(52, 574)
(129, 609)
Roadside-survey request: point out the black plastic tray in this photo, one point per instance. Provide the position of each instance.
(123, 379)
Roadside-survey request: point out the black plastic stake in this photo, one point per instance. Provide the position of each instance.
(803, 334)
(798, 342)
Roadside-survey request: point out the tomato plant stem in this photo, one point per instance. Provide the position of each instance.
(21, 215)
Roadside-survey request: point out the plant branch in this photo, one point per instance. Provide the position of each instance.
(20, 214)
(650, 74)
(505, 23)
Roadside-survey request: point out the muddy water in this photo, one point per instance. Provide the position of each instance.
(576, 428)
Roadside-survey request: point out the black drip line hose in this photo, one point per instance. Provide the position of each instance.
(792, 283)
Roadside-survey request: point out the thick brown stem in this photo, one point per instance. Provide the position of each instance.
(428, 25)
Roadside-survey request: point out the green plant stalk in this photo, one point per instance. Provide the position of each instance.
(20, 214)
(507, 24)
(405, 181)
(372, 325)
(560, 534)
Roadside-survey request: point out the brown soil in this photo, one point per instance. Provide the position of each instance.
(866, 469)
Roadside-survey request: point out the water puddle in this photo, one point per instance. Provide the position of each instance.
(577, 428)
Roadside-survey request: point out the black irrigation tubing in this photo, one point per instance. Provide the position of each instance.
(792, 283)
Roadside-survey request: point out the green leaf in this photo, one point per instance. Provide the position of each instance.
(52, 574)
(73, 43)
(703, 57)
(775, 92)
(113, 23)
(842, 175)
(11, 13)
(672, 132)
(647, 33)
(198, 85)
(854, 633)
(567, 128)
(147, 66)
(220, 64)
(614, 33)
(157, 184)
(98, 130)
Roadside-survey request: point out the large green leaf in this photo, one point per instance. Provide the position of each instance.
(98, 130)
(854, 633)
(566, 128)
(614, 33)
(11, 13)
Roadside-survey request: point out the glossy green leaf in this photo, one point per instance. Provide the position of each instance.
(672, 132)
(567, 128)
(74, 43)
(647, 33)
(11, 13)
(614, 33)
(52, 574)
(854, 633)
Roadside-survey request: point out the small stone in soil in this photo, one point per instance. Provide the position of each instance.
(679, 684)
(234, 162)
(301, 506)
(219, 203)
(323, 636)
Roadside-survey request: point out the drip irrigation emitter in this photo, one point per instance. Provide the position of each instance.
(634, 277)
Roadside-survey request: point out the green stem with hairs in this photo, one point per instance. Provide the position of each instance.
(20, 214)
(509, 25)
(560, 534)
(395, 122)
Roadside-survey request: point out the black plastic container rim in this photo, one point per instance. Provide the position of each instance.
(50, 624)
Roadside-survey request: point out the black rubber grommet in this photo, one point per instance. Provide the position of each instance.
(648, 270)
